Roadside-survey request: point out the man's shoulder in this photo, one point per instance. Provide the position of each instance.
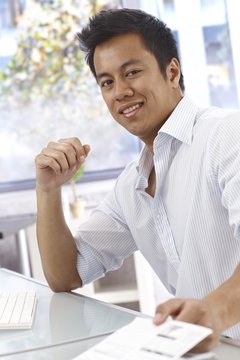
(220, 114)
(224, 135)
(218, 120)
(227, 121)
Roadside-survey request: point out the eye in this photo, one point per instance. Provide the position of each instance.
(132, 73)
(106, 83)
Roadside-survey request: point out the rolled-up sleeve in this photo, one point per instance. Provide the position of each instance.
(103, 241)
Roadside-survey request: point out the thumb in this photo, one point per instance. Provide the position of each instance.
(87, 149)
(171, 307)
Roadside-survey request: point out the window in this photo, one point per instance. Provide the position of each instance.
(207, 36)
(47, 91)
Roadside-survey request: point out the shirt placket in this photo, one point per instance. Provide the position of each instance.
(161, 163)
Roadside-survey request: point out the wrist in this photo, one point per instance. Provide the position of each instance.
(224, 302)
(217, 303)
(48, 191)
(50, 199)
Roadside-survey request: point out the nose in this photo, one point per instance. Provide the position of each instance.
(122, 90)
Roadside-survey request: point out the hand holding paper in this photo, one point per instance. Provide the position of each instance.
(142, 340)
(193, 311)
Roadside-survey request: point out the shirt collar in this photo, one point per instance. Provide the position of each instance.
(179, 125)
(144, 165)
(181, 122)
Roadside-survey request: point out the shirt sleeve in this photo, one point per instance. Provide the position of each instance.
(103, 241)
(225, 163)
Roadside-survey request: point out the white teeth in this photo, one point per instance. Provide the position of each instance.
(134, 107)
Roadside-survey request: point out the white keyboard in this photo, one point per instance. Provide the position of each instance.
(17, 309)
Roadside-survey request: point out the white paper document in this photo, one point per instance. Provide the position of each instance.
(142, 340)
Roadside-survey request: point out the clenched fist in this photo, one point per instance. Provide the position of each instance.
(58, 162)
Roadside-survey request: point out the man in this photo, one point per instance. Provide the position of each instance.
(178, 203)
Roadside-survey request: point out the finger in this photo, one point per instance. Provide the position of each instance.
(43, 162)
(81, 151)
(82, 158)
(201, 347)
(57, 156)
(87, 149)
(67, 149)
(159, 318)
(206, 345)
(169, 308)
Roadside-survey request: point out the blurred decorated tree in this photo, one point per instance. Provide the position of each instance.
(47, 91)
(48, 62)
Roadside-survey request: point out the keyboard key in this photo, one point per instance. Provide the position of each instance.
(16, 315)
(6, 316)
(17, 309)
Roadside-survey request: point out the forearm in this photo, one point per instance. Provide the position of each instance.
(226, 300)
(56, 244)
(218, 310)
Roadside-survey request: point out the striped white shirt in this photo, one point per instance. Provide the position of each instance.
(190, 231)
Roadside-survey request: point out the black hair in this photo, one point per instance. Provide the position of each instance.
(156, 36)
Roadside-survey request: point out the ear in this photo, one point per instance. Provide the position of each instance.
(174, 72)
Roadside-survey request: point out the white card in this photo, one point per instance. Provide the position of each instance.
(142, 340)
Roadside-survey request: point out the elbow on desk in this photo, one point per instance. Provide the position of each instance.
(57, 284)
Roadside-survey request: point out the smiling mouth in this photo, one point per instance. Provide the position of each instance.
(131, 110)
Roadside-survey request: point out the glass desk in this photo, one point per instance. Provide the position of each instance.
(67, 324)
(60, 317)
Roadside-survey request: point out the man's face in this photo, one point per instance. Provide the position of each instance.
(138, 96)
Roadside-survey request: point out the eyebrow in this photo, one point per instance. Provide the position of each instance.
(122, 67)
